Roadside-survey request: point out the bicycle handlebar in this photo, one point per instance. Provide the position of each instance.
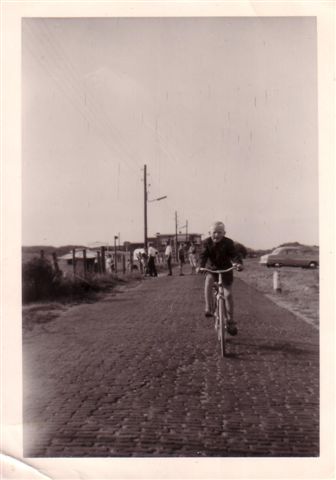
(216, 271)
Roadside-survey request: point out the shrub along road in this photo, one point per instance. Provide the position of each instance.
(139, 373)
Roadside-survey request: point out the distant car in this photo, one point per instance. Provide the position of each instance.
(292, 257)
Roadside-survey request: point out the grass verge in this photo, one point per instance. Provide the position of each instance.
(299, 287)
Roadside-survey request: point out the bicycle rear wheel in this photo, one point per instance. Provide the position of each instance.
(222, 326)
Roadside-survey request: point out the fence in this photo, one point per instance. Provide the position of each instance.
(86, 262)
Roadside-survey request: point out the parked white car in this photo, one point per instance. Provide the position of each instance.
(292, 257)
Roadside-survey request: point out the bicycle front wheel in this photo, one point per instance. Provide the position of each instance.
(222, 326)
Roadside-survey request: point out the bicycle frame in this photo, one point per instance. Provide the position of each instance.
(220, 311)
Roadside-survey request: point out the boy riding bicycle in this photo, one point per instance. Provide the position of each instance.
(220, 252)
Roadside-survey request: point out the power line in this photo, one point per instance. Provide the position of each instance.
(88, 111)
(74, 75)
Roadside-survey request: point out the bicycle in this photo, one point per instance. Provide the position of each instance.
(220, 311)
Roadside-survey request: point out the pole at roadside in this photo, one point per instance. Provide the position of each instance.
(145, 208)
(115, 254)
(276, 281)
(176, 254)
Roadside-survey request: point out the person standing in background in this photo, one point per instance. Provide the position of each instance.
(168, 255)
(151, 261)
(108, 263)
(192, 257)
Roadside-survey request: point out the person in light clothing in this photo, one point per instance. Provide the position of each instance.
(168, 255)
(151, 261)
(192, 257)
(108, 263)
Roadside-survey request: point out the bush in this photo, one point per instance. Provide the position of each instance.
(41, 282)
(37, 279)
(241, 250)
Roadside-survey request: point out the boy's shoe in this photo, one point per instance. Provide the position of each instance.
(208, 314)
(232, 328)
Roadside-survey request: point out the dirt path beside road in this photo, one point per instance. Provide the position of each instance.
(300, 288)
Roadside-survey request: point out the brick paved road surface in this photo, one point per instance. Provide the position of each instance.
(140, 374)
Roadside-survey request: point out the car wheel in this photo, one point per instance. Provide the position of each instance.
(312, 265)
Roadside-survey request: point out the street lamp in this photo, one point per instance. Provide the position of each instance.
(186, 227)
(115, 252)
(145, 206)
(176, 237)
(146, 218)
(157, 199)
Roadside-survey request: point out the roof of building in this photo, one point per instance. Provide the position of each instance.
(79, 254)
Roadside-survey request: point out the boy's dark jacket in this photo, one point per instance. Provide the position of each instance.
(220, 255)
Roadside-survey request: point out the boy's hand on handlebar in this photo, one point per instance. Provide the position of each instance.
(238, 266)
(200, 270)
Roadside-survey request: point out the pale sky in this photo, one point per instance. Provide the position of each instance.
(222, 110)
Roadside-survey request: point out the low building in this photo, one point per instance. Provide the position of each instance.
(89, 261)
(160, 240)
(77, 262)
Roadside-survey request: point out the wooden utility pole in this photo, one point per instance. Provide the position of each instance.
(85, 269)
(99, 262)
(115, 255)
(145, 207)
(176, 248)
(103, 264)
(74, 262)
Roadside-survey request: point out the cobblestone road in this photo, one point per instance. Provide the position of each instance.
(140, 374)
